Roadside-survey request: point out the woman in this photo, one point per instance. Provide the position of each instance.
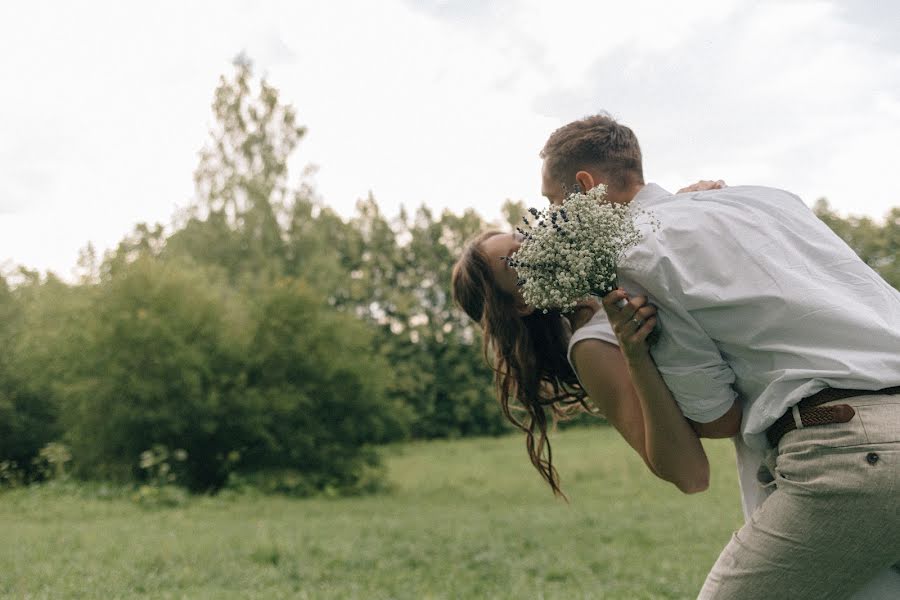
(532, 368)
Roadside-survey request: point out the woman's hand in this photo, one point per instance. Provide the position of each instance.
(632, 321)
(703, 185)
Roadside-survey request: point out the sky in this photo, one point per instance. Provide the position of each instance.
(105, 105)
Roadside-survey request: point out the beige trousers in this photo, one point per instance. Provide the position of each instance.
(833, 521)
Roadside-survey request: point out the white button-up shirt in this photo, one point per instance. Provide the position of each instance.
(760, 302)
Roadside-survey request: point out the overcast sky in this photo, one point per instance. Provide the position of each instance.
(106, 104)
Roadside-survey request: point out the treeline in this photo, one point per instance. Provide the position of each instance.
(263, 338)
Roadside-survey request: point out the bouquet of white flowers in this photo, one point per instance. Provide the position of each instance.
(571, 251)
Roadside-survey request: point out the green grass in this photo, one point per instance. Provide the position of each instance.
(465, 519)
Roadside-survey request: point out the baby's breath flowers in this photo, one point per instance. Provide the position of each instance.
(571, 251)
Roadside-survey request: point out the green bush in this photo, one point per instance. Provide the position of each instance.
(318, 390)
(34, 326)
(164, 353)
(241, 380)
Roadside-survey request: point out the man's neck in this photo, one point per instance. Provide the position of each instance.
(625, 195)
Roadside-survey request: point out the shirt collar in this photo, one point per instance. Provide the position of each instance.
(650, 195)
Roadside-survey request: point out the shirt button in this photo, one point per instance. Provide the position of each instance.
(871, 458)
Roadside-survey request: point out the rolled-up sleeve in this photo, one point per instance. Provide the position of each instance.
(688, 359)
(700, 380)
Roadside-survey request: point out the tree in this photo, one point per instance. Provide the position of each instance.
(232, 338)
(242, 180)
(322, 248)
(40, 325)
(876, 244)
(402, 285)
(322, 388)
(159, 365)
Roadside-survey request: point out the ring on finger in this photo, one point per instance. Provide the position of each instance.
(637, 322)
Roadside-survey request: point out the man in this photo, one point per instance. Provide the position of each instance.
(771, 328)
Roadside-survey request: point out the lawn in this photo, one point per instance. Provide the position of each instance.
(465, 519)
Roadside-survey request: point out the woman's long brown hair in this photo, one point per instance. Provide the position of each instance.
(530, 363)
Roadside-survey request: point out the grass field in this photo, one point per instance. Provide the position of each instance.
(465, 519)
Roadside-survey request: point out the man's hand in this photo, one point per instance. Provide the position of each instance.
(703, 185)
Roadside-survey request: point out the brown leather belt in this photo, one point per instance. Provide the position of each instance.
(812, 414)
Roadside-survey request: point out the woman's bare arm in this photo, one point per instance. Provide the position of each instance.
(626, 386)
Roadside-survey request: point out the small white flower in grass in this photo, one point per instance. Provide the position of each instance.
(571, 251)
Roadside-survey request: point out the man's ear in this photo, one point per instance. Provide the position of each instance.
(585, 180)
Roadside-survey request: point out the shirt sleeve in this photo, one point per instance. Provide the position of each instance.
(688, 359)
(598, 328)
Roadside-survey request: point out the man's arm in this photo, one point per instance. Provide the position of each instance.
(688, 359)
(728, 425)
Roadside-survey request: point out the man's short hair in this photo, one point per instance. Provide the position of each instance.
(597, 141)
